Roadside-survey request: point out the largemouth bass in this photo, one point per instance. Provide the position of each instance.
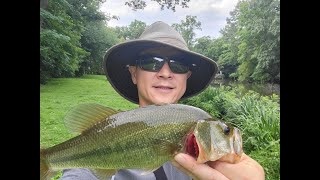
(143, 138)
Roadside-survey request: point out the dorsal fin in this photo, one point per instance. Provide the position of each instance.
(86, 115)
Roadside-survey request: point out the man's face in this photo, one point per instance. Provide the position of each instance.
(159, 87)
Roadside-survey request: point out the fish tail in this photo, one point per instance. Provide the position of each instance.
(45, 171)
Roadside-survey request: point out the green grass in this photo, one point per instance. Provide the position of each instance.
(59, 95)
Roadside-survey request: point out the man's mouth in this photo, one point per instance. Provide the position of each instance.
(163, 87)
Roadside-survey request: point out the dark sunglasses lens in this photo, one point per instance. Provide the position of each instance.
(151, 63)
(178, 67)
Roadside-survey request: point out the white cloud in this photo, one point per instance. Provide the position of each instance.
(152, 7)
(117, 8)
(211, 13)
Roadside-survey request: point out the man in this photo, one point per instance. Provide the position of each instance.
(158, 68)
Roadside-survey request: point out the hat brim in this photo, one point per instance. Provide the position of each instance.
(118, 58)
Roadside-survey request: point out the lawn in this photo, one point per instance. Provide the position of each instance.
(59, 95)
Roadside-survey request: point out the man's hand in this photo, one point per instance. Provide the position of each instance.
(246, 168)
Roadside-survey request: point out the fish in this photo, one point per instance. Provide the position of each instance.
(143, 138)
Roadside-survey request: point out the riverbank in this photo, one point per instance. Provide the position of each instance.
(265, 89)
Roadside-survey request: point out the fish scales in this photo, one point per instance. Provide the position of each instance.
(143, 138)
(104, 146)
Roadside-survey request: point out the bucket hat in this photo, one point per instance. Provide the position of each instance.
(158, 35)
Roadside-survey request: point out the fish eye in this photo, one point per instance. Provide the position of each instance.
(226, 130)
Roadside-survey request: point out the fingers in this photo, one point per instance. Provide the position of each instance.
(247, 168)
(198, 171)
(178, 166)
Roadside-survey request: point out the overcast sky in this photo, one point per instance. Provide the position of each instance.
(211, 13)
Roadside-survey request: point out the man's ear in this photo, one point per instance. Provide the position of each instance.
(133, 72)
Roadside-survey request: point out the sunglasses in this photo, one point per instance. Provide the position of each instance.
(154, 63)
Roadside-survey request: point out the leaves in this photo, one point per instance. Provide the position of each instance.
(249, 48)
(186, 29)
(169, 4)
(95, 39)
(72, 32)
(133, 31)
(74, 37)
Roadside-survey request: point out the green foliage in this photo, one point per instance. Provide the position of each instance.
(87, 10)
(133, 31)
(269, 159)
(95, 39)
(186, 29)
(245, 70)
(73, 38)
(208, 46)
(258, 118)
(60, 51)
(260, 36)
(211, 100)
(234, 75)
(202, 45)
(227, 57)
(169, 4)
(249, 48)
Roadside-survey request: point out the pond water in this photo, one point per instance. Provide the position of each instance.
(263, 89)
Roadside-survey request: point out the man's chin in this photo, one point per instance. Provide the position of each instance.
(164, 101)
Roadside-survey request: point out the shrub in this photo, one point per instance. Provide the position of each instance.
(269, 159)
(257, 116)
(210, 100)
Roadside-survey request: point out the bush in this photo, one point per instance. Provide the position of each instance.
(44, 77)
(258, 118)
(269, 159)
(210, 100)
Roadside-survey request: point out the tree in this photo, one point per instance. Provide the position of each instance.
(60, 50)
(259, 51)
(249, 48)
(133, 31)
(202, 45)
(169, 4)
(96, 39)
(186, 29)
(73, 38)
(228, 44)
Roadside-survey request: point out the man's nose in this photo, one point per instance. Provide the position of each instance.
(165, 71)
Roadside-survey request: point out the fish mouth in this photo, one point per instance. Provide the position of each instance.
(211, 150)
(191, 145)
(236, 148)
(237, 145)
